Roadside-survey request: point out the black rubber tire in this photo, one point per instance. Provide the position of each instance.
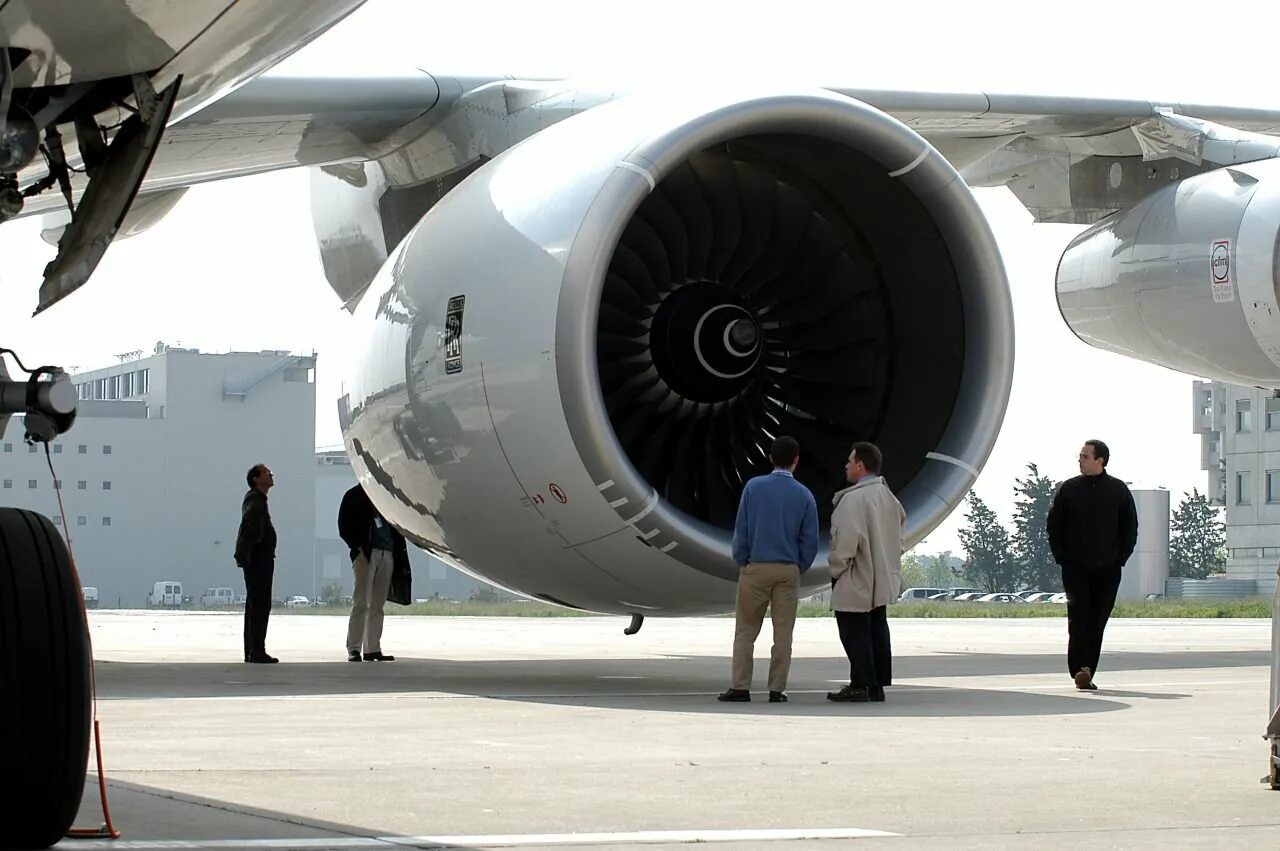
(45, 699)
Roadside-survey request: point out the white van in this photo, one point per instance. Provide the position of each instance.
(214, 598)
(165, 594)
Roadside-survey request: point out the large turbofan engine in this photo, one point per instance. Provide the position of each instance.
(1187, 278)
(575, 360)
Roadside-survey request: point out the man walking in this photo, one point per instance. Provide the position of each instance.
(256, 556)
(1093, 528)
(866, 573)
(376, 549)
(775, 540)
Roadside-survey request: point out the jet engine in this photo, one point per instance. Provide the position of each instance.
(1187, 278)
(567, 370)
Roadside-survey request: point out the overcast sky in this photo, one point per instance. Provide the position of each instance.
(234, 266)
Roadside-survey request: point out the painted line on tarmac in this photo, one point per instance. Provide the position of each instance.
(639, 837)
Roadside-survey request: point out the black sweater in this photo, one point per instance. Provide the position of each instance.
(1093, 524)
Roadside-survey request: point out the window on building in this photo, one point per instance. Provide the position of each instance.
(57, 484)
(106, 449)
(1273, 415)
(31, 484)
(1244, 415)
(31, 448)
(8, 483)
(106, 486)
(106, 521)
(8, 447)
(57, 449)
(57, 520)
(1244, 488)
(83, 449)
(82, 520)
(82, 485)
(1273, 486)
(144, 381)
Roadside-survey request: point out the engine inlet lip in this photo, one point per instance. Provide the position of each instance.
(672, 132)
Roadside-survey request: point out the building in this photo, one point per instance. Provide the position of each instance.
(1240, 449)
(153, 471)
(431, 576)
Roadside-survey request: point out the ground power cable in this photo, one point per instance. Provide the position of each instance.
(107, 830)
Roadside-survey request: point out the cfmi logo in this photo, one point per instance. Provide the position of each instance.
(1220, 261)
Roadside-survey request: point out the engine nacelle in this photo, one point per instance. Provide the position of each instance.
(1187, 278)
(574, 361)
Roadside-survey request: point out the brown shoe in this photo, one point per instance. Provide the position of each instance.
(1084, 680)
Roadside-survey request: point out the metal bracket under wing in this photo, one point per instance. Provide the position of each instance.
(111, 191)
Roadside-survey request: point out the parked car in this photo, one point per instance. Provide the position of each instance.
(214, 598)
(917, 594)
(1039, 597)
(1000, 598)
(297, 601)
(969, 596)
(1060, 597)
(90, 597)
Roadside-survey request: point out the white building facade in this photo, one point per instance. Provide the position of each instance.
(153, 471)
(1240, 449)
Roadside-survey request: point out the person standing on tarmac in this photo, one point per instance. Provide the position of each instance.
(1093, 528)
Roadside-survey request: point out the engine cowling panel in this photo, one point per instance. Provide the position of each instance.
(1187, 278)
(573, 362)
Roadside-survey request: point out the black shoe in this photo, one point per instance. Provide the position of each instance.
(263, 659)
(353, 655)
(777, 697)
(849, 694)
(1084, 680)
(876, 694)
(734, 695)
(378, 657)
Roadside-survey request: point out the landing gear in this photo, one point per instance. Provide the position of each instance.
(45, 693)
(637, 621)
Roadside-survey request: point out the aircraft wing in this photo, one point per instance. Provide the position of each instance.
(1048, 150)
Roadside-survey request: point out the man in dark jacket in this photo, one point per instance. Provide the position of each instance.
(1093, 528)
(256, 556)
(377, 550)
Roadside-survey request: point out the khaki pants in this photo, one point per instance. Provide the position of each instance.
(373, 580)
(776, 587)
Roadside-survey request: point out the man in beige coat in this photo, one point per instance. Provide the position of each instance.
(865, 564)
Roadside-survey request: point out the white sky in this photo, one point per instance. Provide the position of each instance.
(235, 265)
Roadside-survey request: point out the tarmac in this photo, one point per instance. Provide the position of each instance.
(564, 733)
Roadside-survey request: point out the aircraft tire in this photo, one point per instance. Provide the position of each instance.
(45, 696)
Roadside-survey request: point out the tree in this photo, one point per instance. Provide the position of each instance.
(989, 563)
(940, 571)
(914, 571)
(1197, 537)
(331, 594)
(1030, 540)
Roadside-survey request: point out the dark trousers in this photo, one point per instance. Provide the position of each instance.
(257, 606)
(865, 636)
(1091, 595)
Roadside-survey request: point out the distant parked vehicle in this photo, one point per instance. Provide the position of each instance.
(214, 598)
(1039, 597)
(970, 596)
(918, 594)
(297, 601)
(90, 597)
(940, 597)
(1000, 598)
(1060, 597)
(166, 594)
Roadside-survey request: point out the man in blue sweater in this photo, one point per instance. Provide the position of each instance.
(775, 540)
